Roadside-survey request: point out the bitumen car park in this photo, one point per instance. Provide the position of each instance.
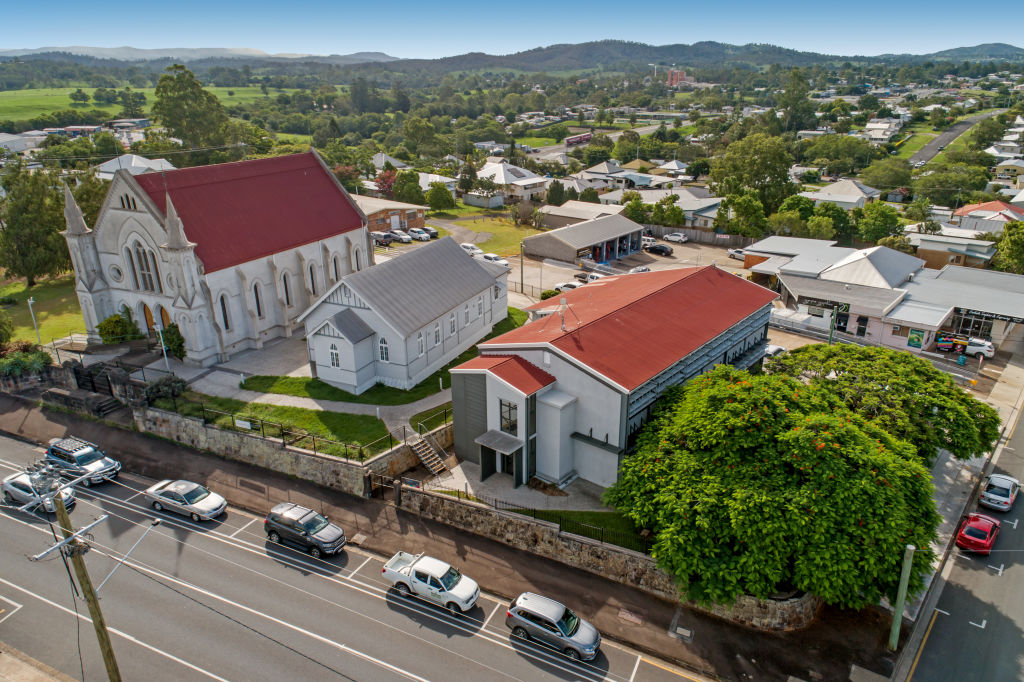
(659, 249)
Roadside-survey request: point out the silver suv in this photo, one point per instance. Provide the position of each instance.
(76, 457)
(533, 617)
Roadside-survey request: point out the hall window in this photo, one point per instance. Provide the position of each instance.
(419, 343)
(437, 333)
(509, 417)
(451, 321)
(312, 279)
(256, 300)
(286, 285)
(335, 357)
(384, 355)
(224, 313)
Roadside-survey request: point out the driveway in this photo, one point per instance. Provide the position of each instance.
(928, 152)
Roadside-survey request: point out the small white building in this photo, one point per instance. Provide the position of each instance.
(400, 321)
(846, 194)
(133, 164)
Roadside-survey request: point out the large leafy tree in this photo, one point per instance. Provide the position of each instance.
(1010, 248)
(407, 188)
(89, 193)
(948, 184)
(742, 214)
(842, 226)
(887, 174)
(879, 221)
(759, 163)
(556, 193)
(439, 198)
(899, 392)
(757, 484)
(31, 220)
(189, 112)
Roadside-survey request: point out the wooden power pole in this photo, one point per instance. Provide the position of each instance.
(76, 550)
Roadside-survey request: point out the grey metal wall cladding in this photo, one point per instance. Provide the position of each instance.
(469, 414)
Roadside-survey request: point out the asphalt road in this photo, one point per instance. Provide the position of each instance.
(216, 601)
(977, 629)
(928, 152)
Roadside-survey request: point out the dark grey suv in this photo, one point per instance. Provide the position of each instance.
(531, 616)
(291, 524)
(76, 457)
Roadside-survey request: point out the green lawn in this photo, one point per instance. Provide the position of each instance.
(379, 394)
(432, 418)
(362, 431)
(294, 138)
(914, 144)
(461, 210)
(55, 305)
(505, 236)
(537, 141)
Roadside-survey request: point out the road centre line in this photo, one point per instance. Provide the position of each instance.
(251, 521)
(119, 633)
(358, 568)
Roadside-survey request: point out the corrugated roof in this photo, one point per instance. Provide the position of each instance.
(370, 205)
(788, 246)
(919, 312)
(582, 209)
(520, 374)
(878, 266)
(241, 211)
(865, 298)
(590, 232)
(418, 287)
(628, 328)
(351, 326)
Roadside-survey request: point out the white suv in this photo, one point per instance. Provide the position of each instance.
(979, 347)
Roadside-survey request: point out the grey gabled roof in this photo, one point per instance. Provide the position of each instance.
(350, 326)
(590, 232)
(414, 289)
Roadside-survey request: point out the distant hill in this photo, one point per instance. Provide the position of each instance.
(188, 54)
(982, 53)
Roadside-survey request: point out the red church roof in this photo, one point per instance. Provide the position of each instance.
(629, 328)
(524, 376)
(238, 212)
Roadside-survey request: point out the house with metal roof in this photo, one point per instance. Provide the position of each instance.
(574, 211)
(231, 253)
(565, 395)
(846, 194)
(602, 239)
(133, 163)
(401, 320)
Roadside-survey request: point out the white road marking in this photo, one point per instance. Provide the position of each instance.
(360, 566)
(999, 571)
(133, 497)
(636, 666)
(1014, 523)
(7, 614)
(117, 632)
(982, 626)
(493, 611)
(252, 521)
(945, 613)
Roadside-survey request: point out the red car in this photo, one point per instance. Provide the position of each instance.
(977, 533)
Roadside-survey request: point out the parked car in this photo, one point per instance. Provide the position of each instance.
(999, 492)
(471, 249)
(401, 237)
(647, 241)
(585, 277)
(639, 268)
(382, 238)
(660, 249)
(678, 237)
(977, 533)
(567, 286)
(738, 254)
(496, 259)
(419, 234)
(25, 488)
(433, 580)
(533, 617)
(959, 343)
(291, 524)
(186, 498)
(771, 350)
(429, 230)
(76, 457)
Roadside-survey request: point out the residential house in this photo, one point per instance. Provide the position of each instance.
(1010, 168)
(696, 202)
(427, 179)
(231, 253)
(380, 158)
(881, 130)
(989, 216)
(383, 215)
(132, 164)
(514, 181)
(572, 212)
(566, 395)
(939, 250)
(400, 321)
(846, 194)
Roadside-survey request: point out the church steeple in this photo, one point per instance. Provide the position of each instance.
(73, 215)
(176, 238)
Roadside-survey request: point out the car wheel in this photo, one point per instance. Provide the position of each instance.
(453, 609)
(520, 633)
(86, 483)
(157, 506)
(403, 590)
(572, 654)
(7, 498)
(196, 517)
(274, 537)
(315, 552)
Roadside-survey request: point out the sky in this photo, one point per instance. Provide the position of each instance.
(403, 28)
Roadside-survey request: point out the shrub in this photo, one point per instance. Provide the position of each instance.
(118, 328)
(6, 328)
(170, 386)
(19, 363)
(174, 342)
(8, 300)
(16, 347)
(548, 293)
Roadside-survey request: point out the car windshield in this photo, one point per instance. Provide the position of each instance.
(88, 457)
(997, 490)
(569, 623)
(975, 533)
(314, 523)
(196, 494)
(450, 579)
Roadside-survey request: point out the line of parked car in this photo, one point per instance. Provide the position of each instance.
(978, 532)
(420, 234)
(476, 252)
(530, 617)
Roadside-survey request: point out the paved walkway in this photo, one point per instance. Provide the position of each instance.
(16, 666)
(579, 495)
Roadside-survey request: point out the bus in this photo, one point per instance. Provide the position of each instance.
(578, 139)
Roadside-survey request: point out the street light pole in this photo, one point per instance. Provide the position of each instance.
(33, 314)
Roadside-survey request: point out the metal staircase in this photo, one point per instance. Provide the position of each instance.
(428, 456)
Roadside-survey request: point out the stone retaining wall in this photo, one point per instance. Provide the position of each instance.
(52, 375)
(326, 470)
(609, 561)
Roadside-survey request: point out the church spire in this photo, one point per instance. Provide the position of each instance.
(176, 238)
(73, 214)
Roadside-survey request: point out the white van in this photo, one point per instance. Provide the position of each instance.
(647, 241)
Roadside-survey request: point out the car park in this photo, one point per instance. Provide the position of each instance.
(433, 580)
(288, 523)
(471, 249)
(999, 492)
(660, 249)
(567, 286)
(382, 238)
(419, 234)
(738, 254)
(496, 259)
(186, 498)
(75, 458)
(977, 533)
(677, 237)
(540, 619)
(401, 237)
(28, 488)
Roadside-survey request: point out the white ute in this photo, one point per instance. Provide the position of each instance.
(433, 580)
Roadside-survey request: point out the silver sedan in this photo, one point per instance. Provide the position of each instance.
(23, 488)
(186, 498)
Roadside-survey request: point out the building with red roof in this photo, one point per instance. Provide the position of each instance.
(231, 253)
(989, 216)
(564, 395)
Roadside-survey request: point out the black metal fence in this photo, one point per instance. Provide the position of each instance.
(431, 422)
(565, 521)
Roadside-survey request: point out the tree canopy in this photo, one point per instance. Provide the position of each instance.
(189, 112)
(759, 163)
(32, 216)
(879, 221)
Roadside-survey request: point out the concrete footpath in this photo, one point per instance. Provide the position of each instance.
(837, 641)
(16, 666)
